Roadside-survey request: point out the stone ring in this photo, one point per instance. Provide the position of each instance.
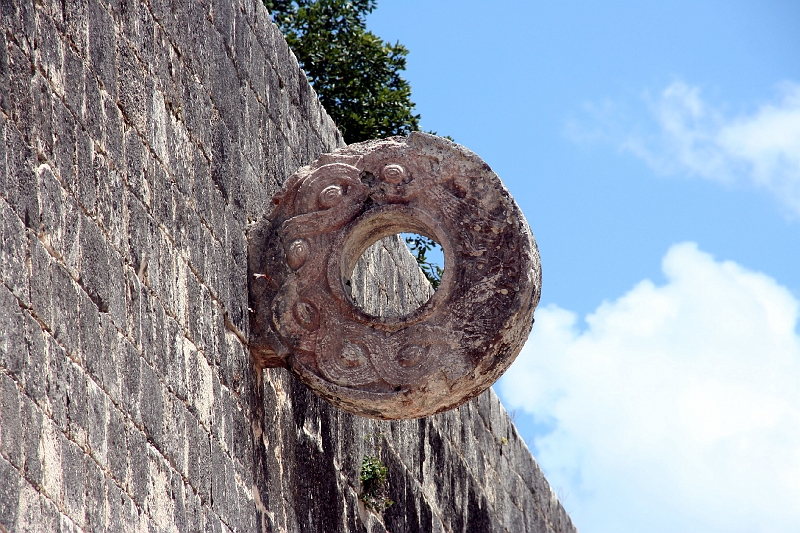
(450, 349)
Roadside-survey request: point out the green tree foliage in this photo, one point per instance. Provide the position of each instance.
(355, 73)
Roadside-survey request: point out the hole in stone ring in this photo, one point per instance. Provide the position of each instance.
(401, 247)
(407, 282)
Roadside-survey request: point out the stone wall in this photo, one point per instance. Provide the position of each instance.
(138, 139)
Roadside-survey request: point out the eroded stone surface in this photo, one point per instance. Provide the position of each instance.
(392, 367)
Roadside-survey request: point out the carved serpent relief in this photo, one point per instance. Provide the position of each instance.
(450, 349)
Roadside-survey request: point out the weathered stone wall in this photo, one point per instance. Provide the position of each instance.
(138, 138)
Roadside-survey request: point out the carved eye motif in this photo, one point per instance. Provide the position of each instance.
(330, 196)
(297, 254)
(353, 354)
(306, 315)
(411, 355)
(393, 173)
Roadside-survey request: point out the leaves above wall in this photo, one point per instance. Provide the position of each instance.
(354, 72)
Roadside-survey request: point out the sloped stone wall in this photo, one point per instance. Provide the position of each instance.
(138, 139)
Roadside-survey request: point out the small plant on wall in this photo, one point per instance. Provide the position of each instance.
(374, 486)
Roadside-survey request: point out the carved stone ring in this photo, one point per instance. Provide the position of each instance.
(450, 349)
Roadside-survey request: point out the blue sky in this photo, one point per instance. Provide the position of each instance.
(655, 150)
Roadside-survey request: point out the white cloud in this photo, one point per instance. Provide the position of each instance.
(676, 408)
(691, 136)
